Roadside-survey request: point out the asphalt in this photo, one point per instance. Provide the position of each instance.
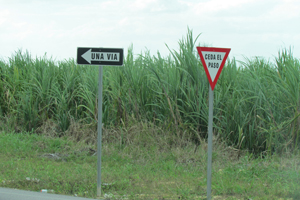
(14, 194)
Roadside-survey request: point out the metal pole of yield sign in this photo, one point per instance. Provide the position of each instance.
(99, 142)
(213, 60)
(209, 148)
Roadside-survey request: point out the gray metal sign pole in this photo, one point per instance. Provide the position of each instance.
(209, 148)
(99, 143)
(99, 56)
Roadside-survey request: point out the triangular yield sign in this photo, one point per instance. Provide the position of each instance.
(213, 60)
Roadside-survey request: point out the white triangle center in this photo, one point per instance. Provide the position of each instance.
(213, 62)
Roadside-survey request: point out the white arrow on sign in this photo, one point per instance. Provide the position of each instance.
(101, 56)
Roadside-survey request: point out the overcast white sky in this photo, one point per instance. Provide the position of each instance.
(58, 27)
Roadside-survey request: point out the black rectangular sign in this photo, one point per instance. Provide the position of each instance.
(99, 56)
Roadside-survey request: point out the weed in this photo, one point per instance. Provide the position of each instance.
(256, 101)
(141, 170)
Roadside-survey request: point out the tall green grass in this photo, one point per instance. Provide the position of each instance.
(256, 101)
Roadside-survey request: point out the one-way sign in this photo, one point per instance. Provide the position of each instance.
(99, 56)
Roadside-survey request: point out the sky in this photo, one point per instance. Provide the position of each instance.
(57, 27)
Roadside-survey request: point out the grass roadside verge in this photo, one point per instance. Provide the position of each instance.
(148, 169)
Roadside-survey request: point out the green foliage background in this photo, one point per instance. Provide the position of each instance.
(256, 105)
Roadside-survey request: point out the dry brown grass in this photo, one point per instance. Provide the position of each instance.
(132, 139)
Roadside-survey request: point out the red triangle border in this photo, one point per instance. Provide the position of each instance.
(213, 49)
